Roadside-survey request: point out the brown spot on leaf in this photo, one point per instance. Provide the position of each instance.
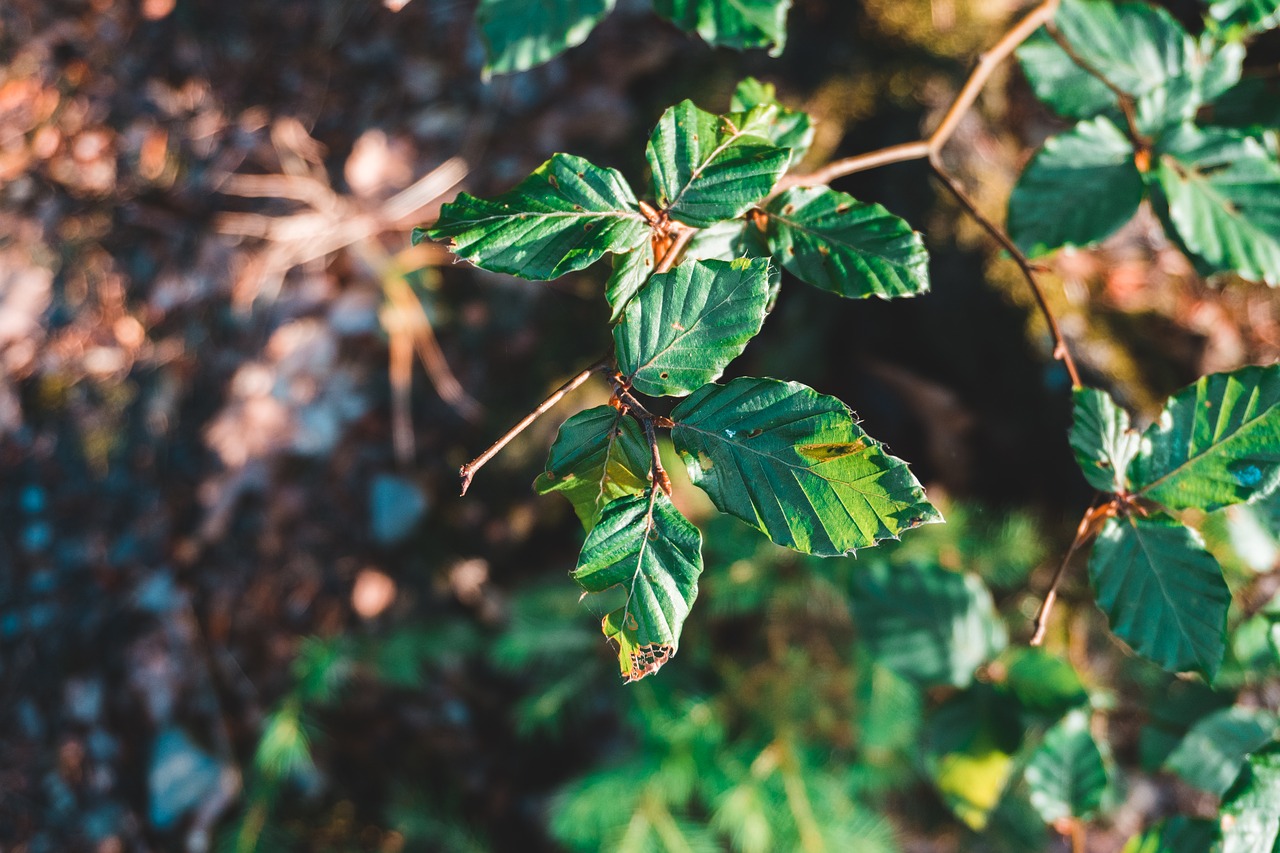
(826, 452)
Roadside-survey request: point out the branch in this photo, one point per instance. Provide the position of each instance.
(933, 144)
(1084, 532)
(468, 471)
(1060, 350)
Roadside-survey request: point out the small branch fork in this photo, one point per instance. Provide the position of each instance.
(1097, 515)
(931, 148)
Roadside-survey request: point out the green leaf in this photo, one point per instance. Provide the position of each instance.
(599, 456)
(1252, 104)
(1139, 48)
(1212, 753)
(643, 544)
(1216, 443)
(563, 217)
(794, 464)
(1044, 684)
(686, 325)
(738, 24)
(519, 34)
(724, 241)
(1066, 773)
(1222, 190)
(926, 623)
(1252, 16)
(1080, 187)
(1250, 819)
(1102, 440)
(787, 129)
(707, 167)
(968, 747)
(1178, 834)
(833, 241)
(1162, 592)
(1059, 82)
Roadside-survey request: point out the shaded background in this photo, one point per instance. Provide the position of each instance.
(240, 603)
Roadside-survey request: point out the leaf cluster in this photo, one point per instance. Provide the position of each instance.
(1153, 106)
(693, 279)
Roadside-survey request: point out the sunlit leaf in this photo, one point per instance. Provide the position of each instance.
(598, 456)
(724, 241)
(1250, 15)
(926, 623)
(1222, 191)
(686, 325)
(1162, 592)
(1066, 774)
(731, 23)
(1212, 753)
(1138, 47)
(519, 34)
(840, 244)
(707, 167)
(563, 217)
(643, 544)
(794, 464)
(968, 745)
(1102, 439)
(1216, 443)
(1079, 188)
(786, 128)
(1250, 818)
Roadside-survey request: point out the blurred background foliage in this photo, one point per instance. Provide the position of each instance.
(241, 607)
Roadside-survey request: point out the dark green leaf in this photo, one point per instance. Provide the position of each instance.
(1178, 834)
(1081, 187)
(791, 129)
(1250, 817)
(563, 217)
(1044, 684)
(840, 244)
(707, 167)
(1102, 440)
(1066, 774)
(1252, 104)
(1163, 593)
(519, 34)
(738, 24)
(926, 623)
(794, 464)
(1212, 753)
(599, 456)
(686, 325)
(1222, 191)
(643, 544)
(1216, 443)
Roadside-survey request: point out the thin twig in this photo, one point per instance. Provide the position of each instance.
(1084, 531)
(932, 144)
(1060, 350)
(468, 471)
(683, 235)
(658, 473)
